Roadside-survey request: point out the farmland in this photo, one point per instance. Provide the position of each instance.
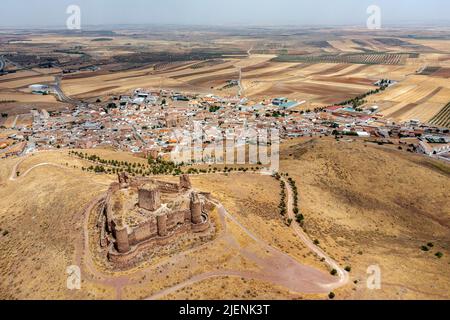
(370, 58)
(358, 123)
(443, 117)
(315, 66)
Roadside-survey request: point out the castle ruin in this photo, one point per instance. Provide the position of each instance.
(141, 213)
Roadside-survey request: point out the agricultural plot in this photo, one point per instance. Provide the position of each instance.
(208, 63)
(417, 97)
(365, 58)
(442, 118)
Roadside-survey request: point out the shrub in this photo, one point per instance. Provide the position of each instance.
(331, 295)
(348, 268)
(430, 244)
(316, 242)
(333, 272)
(439, 254)
(425, 248)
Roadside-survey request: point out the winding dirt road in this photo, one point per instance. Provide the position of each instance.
(274, 266)
(14, 176)
(342, 274)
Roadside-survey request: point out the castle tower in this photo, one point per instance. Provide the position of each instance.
(123, 178)
(196, 209)
(122, 243)
(185, 182)
(162, 225)
(149, 197)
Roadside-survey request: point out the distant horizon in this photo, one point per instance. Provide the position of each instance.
(386, 25)
(51, 14)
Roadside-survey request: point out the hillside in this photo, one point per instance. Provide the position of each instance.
(371, 206)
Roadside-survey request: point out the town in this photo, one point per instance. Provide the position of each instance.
(144, 123)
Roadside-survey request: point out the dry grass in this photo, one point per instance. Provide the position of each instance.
(42, 212)
(371, 206)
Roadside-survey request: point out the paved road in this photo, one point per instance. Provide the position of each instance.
(138, 135)
(2, 63)
(241, 87)
(60, 93)
(14, 122)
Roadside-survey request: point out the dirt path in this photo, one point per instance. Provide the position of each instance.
(342, 274)
(274, 266)
(14, 176)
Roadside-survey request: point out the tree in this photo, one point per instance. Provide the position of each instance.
(111, 105)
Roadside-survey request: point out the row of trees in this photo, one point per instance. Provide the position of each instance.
(282, 206)
(155, 166)
(298, 216)
(359, 100)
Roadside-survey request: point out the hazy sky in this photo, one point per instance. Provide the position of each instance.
(221, 12)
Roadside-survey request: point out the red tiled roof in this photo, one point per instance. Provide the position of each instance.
(333, 108)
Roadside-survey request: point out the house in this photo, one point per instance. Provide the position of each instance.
(279, 101)
(333, 108)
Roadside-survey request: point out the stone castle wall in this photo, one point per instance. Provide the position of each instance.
(144, 231)
(127, 259)
(159, 227)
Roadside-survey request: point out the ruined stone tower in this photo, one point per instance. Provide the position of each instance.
(196, 208)
(122, 242)
(162, 225)
(123, 178)
(149, 197)
(185, 182)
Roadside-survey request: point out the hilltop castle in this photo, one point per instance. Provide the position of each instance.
(141, 213)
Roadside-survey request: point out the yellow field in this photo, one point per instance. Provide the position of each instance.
(9, 95)
(319, 84)
(418, 97)
(45, 232)
(365, 217)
